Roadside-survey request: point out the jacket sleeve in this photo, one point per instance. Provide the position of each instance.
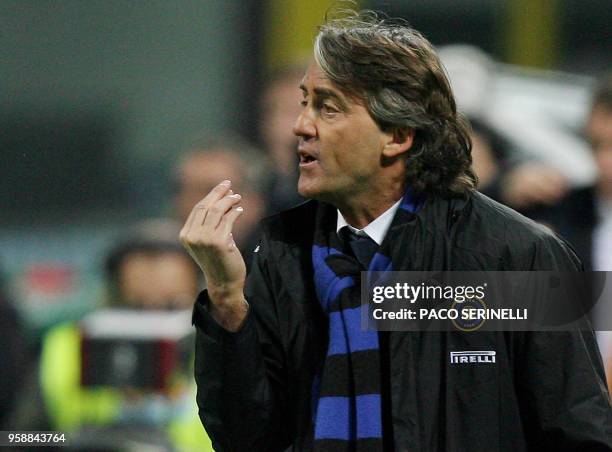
(560, 378)
(242, 394)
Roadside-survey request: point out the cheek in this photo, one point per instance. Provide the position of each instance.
(351, 149)
(362, 153)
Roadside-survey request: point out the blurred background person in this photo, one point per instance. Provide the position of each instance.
(528, 186)
(212, 160)
(585, 215)
(97, 103)
(279, 108)
(147, 271)
(506, 173)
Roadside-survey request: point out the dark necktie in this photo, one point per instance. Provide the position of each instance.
(363, 246)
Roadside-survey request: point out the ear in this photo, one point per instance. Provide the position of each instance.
(399, 141)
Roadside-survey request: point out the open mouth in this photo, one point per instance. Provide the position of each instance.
(306, 159)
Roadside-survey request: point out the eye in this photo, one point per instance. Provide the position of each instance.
(303, 102)
(329, 108)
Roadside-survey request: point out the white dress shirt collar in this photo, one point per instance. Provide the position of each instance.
(377, 229)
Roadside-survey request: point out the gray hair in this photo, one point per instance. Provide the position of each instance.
(395, 71)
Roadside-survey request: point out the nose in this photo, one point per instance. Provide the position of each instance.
(304, 125)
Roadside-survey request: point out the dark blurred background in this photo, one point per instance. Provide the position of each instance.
(103, 102)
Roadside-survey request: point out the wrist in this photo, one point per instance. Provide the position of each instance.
(224, 297)
(230, 314)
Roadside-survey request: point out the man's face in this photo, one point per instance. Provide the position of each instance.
(339, 144)
(165, 280)
(599, 130)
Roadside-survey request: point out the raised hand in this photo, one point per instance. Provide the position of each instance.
(207, 236)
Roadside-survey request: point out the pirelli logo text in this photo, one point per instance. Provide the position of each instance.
(472, 357)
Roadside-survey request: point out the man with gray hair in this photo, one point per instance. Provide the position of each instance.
(281, 359)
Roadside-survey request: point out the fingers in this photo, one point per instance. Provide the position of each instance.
(200, 210)
(218, 210)
(207, 237)
(220, 190)
(215, 194)
(227, 224)
(212, 226)
(211, 217)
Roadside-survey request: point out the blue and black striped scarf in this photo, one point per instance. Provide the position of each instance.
(347, 399)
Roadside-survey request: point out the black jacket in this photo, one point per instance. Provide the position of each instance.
(546, 390)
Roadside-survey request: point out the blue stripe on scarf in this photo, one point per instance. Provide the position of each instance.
(335, 414)
(377, 273)
(412, 203)
(346, 335)
(328, 284)
(357, 417)
(380, 263)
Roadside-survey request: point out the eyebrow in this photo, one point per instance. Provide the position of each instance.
(326, 93)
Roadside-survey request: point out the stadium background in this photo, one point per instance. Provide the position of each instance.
(100, 98)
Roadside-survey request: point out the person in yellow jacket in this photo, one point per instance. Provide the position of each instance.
(147, 273)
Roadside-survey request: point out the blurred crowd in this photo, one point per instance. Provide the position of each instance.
(44, 384)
